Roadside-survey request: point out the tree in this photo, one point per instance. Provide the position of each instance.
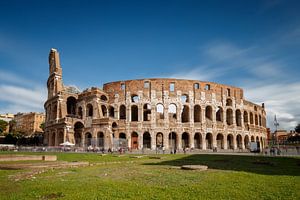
(297, 129)
(12, 125)
(3, 126)
(42, 126)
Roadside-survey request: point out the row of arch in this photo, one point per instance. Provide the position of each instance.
(240, 117)
(174, 141)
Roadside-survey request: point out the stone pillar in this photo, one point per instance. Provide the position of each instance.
(234, 142)
(153, 141)
(225, 142)
(166, 140)
(179, 141)
(82, 139)
(140, 141)
(191, 140)
(140, 113)
(203, 141)
(214, 140)
(243, 144)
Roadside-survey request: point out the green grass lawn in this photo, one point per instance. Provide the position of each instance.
(228, 177)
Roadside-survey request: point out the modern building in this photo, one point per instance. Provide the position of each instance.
(151, 113)
(29, 123)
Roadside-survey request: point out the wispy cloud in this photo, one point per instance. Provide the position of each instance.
(259, 71)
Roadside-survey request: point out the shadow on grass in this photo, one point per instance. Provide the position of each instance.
(253, 164)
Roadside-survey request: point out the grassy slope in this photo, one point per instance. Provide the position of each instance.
(229, 177)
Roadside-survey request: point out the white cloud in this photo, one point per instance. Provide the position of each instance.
(263, 78)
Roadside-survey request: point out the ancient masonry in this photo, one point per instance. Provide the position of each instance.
(151, 114)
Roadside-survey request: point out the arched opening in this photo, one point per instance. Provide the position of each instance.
(251, 118)
(60, 137)
(228, 102)
(258, 142)
(52, 139)
(111, 111)
(114, 125)
(103, 98)
(89, 110)
(147, 140)
(172, 112)
(256, 120)
(185, 115)
(229, 116)
(173, 141)
(122, 112)
(245, 117)
(134, 113)
(54, 112)
(71, 105)
(100, 138)
(104, 110)
(252, 139)
(230, 141)
(239, 141)
(185, 139)
(147, 112)
(134, 140)
(122, 136)
(238, 117)
(219, 114)
(197, 113)
(209, 139)
(220, 141)
(122, 140)
(159, 140)
(159, 111)
(80, 112)
(259, 120)
(88, 139)
(246, 142)
(134, 98)
(208, 113)
(184, 98)
(78, 129)
(198, 141)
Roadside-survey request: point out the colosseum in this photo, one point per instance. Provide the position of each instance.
(150, 114)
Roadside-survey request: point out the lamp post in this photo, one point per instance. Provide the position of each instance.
(276, 124)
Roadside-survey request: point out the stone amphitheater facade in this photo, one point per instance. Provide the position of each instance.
(150, 114)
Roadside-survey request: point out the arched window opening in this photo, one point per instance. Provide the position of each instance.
(104, 111)
(251, 118)
(100, 138)
(147, 140)
(88, 139)
(245, 117)
(207, 87)
(219, 114)
(103, 98)
(238, 117)
(185, 138)
(159, 140)
(260, 122)
(71, 105)
(89, 109)
(220, 141)
(111, 111)
(147, 112)
(173, 141)
(256, 120)
(246, 142)
(197, 113)
(198, 141)
(78, 130)
(185, 98)
(134, 98)
(229, 116)
(228, 102)
(230, 141)
(122, 112)
(196, 86)
(208, 113)
(134, 140)
(114, 125)
(159, 111)
(54, 112)
(185, 115)
(172, 112)
(134, 113)
(208, 140)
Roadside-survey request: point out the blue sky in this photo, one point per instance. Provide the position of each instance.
(250, 44)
